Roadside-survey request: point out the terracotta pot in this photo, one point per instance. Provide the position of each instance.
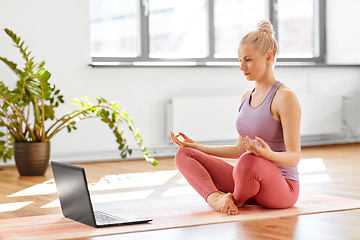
(32, 158)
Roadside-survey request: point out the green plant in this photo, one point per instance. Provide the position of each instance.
(25, 109)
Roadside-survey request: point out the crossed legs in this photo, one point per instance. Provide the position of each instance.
(226, 187)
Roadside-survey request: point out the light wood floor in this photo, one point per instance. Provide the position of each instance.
(336, 172)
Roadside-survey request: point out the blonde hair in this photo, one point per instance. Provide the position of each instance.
(262, 38)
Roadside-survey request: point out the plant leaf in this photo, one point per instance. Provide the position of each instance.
(100, 99)
(86, 98)
(49, 112)
(44, 76)
(76, 101)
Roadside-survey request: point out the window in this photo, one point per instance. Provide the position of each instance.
(177, 29)
(114, 28)
(232, 20)
(200, 32)
(298, 30)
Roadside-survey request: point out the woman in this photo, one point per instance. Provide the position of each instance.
(268, 149)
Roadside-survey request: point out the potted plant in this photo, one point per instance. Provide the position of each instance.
(25, 109)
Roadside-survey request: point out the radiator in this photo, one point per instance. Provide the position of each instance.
(321, 114)
(212, 119)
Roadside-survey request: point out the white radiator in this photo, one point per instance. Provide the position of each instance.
(212, 119)
(321, 114)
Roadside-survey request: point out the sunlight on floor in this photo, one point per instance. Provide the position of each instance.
(111, 197)
(182, 180)
(315, 178)
(108, 182)
(311, 165)
(47, 187)
(122, 181)
(114, 197)
(9, 207)
(177, 191)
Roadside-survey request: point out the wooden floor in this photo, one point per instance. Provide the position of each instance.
(335, 170)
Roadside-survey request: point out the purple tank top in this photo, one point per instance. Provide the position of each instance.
(259, 122)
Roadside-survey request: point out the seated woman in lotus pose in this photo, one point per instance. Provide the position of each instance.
(268, 149)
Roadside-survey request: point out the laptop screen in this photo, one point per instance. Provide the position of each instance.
(73, 192)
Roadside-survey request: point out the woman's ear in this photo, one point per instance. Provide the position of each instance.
(269, 57)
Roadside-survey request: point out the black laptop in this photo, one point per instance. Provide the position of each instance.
(75, 200)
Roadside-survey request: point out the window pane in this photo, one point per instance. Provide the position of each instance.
(114, 28)
(296, 28)
(178, 29)
(232, 20)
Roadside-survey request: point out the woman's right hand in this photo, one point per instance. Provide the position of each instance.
(188, 142)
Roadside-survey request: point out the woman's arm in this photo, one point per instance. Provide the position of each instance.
(218, 151)
(287, 108)
(224, 151)
(289, 111)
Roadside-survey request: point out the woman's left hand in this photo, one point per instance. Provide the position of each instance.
(263, 150)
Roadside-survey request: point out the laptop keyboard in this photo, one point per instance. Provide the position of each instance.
(103, 218)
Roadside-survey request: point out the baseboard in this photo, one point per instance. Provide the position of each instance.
(112, 155)
(328, 139)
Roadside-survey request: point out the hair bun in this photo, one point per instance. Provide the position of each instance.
(265, 26)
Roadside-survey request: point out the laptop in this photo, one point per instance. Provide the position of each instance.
(76, 204)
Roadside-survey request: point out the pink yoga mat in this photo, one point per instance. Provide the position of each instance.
(171, 215)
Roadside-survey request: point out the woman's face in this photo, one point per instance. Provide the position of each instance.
(252, 62)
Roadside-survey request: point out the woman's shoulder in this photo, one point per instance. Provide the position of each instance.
(284, 92)
(245, 94)
(285, 95)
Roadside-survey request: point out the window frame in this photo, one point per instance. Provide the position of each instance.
(144, 60)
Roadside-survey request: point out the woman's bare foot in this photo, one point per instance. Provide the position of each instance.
(223, 202)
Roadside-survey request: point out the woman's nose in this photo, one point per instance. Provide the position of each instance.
(242, 67)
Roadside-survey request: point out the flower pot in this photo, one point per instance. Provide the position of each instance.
(32, 158)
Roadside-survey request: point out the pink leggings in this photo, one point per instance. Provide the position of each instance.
(253, 179)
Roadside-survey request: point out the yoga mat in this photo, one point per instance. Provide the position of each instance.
(166, 216)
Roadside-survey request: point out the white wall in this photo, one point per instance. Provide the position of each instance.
(343, 31)
(58, 32)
